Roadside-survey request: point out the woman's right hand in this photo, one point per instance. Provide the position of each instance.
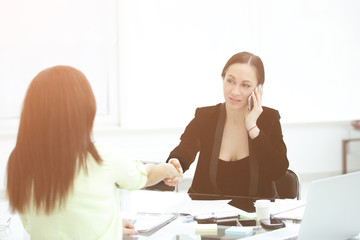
(175, 181)
(253, 115)
(128, 228)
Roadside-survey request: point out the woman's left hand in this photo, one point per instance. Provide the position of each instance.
(253, 115)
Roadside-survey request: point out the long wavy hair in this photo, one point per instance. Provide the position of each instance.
(54, 139)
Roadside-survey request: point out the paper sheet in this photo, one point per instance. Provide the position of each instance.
(215, 208)
(229, 210)
(196, 207)
(288, 209)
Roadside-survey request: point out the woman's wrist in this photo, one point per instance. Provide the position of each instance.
(251, 128)
(250, 124)
(254, 132)
(166, 168)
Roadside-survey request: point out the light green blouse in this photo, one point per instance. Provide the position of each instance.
(92, 211)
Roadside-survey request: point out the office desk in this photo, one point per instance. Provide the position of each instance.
(180, 228)
(131, 202)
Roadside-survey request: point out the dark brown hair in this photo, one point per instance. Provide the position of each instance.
(53, 140)
(249, 58)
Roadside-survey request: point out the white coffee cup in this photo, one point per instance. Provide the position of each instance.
(262, 207)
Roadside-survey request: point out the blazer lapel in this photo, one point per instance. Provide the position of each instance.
(216, 147)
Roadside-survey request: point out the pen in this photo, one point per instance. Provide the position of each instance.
(187, 219)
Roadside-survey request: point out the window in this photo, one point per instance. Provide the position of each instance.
(40, 34)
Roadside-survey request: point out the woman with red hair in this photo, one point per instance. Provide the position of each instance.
(62, 185)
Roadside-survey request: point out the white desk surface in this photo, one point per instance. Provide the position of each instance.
(16, 230)
(131, 202)
(154, 201)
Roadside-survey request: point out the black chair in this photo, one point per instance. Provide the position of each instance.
(161, 186)
(288, 186)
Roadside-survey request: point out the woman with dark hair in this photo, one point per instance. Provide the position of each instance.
(62, 185)
(241, 146)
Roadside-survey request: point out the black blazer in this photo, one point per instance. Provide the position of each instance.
(268, 149)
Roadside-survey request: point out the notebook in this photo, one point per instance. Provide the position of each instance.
(332, 211)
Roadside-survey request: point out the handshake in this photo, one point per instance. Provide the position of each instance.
(177, 176)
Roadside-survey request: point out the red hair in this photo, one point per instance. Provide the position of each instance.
(53, 140)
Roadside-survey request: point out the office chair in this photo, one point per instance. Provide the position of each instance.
(161, 186)
(288, 186)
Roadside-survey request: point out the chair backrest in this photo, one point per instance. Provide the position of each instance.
(288, 186)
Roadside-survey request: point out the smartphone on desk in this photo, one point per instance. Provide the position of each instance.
(243, 222)
(272, 223)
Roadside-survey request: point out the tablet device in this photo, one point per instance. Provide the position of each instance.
(146, 222)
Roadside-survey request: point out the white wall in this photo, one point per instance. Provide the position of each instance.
(316, 148)
(151, 62)
(155, 61)
(39, 34)
(313, 148)
(172, 53)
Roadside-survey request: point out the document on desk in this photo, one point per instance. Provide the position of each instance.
(197, 207)
(287, 209)
(229, 210)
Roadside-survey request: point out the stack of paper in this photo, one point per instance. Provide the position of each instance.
(217, 208)
(196, 207)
